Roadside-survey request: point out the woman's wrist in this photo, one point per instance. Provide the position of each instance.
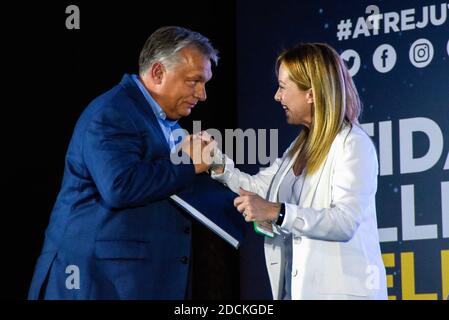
(218, 163)
(218, 169)
(280, 214)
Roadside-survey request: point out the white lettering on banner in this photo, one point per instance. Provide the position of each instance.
(391, 22)
(388, 234)
(446, 165)
(385, 148)
(410, 231)
(445, 207)
(403, 20)
(408, 17)
(368, 128)
(406, 129)
(361, 27)
(408, 164)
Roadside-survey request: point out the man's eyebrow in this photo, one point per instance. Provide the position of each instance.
(197, 77)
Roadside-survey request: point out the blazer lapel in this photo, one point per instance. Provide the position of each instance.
(311, 182)
(310, 186)
(285, 166)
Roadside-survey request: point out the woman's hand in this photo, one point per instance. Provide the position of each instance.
(255, 208)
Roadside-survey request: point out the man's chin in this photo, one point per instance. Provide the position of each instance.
(182, 113)
(187, 112)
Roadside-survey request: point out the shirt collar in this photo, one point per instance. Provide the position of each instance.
(160, 114)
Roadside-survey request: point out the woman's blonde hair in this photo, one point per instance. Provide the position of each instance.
(318, 67)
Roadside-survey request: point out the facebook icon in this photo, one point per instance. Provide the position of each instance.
(384, 58)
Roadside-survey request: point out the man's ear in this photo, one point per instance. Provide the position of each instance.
(156, 72)
(309, 96)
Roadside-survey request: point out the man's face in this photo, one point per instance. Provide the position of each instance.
(184, 83)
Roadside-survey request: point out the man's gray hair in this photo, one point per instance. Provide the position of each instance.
(165, 43)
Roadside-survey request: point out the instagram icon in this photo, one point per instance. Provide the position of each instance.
(421, 53)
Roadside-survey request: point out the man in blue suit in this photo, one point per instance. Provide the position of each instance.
(113, 233)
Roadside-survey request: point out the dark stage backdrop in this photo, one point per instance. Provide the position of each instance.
(53, 73)
(401, 70)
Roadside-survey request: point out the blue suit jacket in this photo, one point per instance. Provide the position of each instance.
(112, 219)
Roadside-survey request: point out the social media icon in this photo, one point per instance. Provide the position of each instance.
(384, 58)
(352, 59)
(421, 53)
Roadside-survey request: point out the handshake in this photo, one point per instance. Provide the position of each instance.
(204, 152)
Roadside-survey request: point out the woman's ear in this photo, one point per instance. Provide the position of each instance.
(309, 96)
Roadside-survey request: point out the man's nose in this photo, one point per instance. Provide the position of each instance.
(200, 92)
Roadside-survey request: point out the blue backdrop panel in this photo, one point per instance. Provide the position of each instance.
(401, 69)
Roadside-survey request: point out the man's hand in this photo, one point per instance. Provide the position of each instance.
(218, 164)
(255, 208)
(200, 151)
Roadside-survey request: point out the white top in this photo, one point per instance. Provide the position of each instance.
(289, 192)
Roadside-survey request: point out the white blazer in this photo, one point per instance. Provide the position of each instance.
(336, 252)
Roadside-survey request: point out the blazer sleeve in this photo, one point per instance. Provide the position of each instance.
(354, 186)
(113, 153)
(259, 183)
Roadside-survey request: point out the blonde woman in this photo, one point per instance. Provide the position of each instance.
(319, 198)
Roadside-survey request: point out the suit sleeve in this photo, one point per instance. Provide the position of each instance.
(354, 186)
(113, 153)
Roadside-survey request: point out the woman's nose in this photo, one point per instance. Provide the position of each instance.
(277, 96)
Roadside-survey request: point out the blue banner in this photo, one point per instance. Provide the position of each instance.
(398, 55)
